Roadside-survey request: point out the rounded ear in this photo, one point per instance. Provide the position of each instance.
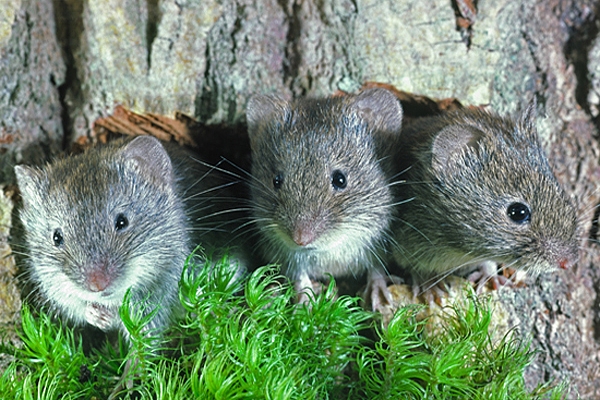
(380, 108)
(151, 155)
(262, 108)
(450, 142)
(527, 119)
(28, 179)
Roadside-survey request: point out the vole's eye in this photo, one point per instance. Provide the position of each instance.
(57, 237)
(278, 181)
(121, 222)
(338, 180)
(519, 213)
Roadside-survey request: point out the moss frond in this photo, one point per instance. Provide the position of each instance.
(242, 337)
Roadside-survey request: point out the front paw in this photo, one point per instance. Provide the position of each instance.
(486, 274)
(377, 292)
(100, 316)
(307, 289)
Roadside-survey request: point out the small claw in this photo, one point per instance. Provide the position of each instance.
(305, 289)
(416, 289)
(501, 281)
(303, 297)
(377, 290)
(433, 294)
(486, 274)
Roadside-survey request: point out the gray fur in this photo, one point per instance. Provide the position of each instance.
(306, 141)
(463, 170)
(162, 195)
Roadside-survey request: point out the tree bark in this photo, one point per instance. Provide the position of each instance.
(31, 72)
(206, 58)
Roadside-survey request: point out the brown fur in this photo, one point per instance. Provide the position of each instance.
(463, 170)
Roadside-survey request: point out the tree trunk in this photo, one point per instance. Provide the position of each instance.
(206, 58)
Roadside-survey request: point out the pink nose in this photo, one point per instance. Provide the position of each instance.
(97, 280)
(303, 236)
(564, 263)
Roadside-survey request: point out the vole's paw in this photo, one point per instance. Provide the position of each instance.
(487, 274)
(432, 294)
(304, 297)
(307, 289)
(377, 292)
(99, 316)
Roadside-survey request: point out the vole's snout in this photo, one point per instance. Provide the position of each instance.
(98, 279)
(562, 255)
(569, 261)
(565, 263)
(307, 230)
(303, 236)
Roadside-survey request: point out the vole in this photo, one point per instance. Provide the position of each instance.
(123, 215)
(482, 195)
(321, 186)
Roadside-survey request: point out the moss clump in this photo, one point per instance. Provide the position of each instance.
(245, 339)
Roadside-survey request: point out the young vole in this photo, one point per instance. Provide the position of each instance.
(124, 215)
(321, 184)
(482, 194)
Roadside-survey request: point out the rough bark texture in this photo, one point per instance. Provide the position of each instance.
(31, 71)
(205, 59)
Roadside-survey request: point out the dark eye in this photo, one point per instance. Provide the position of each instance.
(519, 213)
(338, 179)
(57, 237)
(121, 222)
(278, 181)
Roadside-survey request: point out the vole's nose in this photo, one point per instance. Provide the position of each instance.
(97, 280)
(307, 229)
(565, 263)
(303, 236)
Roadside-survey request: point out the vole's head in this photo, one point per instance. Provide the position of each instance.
(100, 222)
(318, 179)
(496, 191)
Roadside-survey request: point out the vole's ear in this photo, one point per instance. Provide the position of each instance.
(527, 120)
(262, 108)
(28, 179)
(381, 109)
(151, 155)
(450, 142)
(530, 114)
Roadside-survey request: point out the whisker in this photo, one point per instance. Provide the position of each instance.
(470, 263)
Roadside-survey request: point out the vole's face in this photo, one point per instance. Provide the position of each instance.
(93, 226)
(509, 207)
(318, 187)
(88, 232)
(534, 223)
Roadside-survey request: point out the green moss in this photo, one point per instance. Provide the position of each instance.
(245, 339)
